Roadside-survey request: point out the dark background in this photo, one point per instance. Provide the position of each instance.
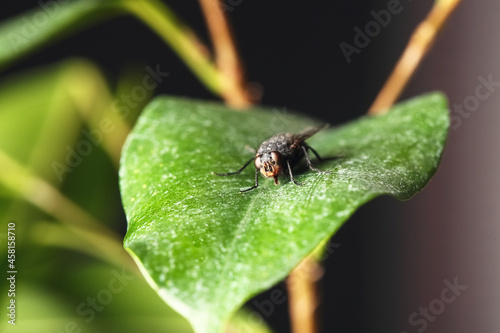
(393, 256)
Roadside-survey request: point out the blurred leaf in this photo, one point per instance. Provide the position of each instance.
(29, 31)
(130, 78)
(41, 128)
(48, 298)
(123, 303)
(53, 20)
(39, 117)
(205, 247)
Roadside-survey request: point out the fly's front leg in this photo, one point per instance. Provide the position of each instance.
(256, 182)
(236, 172)
(291, 174)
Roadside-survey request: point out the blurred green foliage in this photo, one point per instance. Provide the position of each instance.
(44, 114)
(61, 133)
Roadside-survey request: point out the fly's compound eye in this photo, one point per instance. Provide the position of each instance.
(257, 162)
(276, 157)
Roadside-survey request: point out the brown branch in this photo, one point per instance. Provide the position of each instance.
(226, 55)
(419, 45)
(303, 299)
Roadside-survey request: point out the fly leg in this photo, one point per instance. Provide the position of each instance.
(239, 171)
(309, 163)
(291, 174)
(256, 182)
(236, 172)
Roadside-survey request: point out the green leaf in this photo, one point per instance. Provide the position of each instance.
(41, 114)
(29, 31)
(52, 20)
(47, 120)
(205, 247)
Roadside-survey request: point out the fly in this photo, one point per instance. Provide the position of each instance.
(279, 154)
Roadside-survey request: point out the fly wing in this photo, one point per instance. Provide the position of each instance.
(308, 132)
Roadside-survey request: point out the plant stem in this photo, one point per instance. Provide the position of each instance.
(163, 20)
(226, 54)
(302, 295)
(418, 46)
